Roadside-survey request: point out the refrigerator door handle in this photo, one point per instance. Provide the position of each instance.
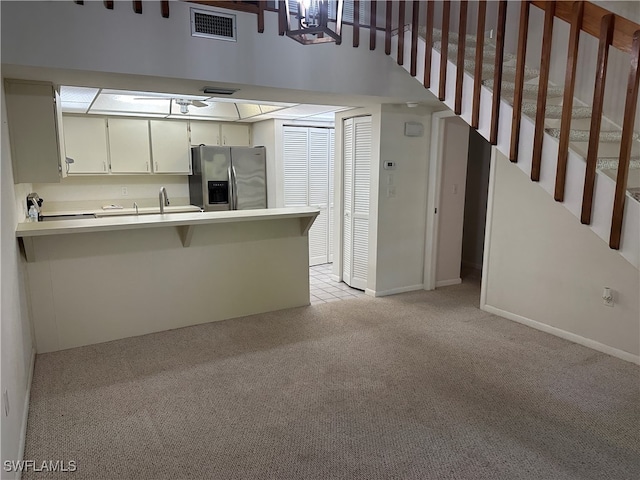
(235, 188)
(230, 178)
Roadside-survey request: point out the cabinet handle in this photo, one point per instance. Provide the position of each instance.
(224, 140)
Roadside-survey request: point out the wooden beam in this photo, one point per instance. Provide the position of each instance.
(387, 29)
(523, 31)
(606, 33)
(567, 102)
(137, 6)
(630, 106)
(462, 38)
(444, 49)
(414, 37)
(543, 85)
(282, 17)
(401, 13)
(372, 25)
(622, 38)
(497, 75)
(356, 23)
(262, 5)
(428, 45)
(477, 75)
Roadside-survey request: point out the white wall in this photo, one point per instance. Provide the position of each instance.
(91, 38)
(92, 192)
(264, 134)
(451, 206)
(475, 203)
(17, 344)
(546, 269)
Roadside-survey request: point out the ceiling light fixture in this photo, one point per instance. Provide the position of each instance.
(311, 21)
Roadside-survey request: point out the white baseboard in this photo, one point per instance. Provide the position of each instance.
(394, 291)
(335, 278)
(368, 291)
(25, 414)
(446, 283)
(572, 337)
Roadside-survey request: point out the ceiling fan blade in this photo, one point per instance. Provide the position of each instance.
(153, 98)
(199, 104)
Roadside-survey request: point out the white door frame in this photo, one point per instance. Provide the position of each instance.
(434, 181)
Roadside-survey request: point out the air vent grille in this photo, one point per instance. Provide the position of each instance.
(220, 26)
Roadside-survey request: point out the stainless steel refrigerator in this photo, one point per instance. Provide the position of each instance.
(228, 178)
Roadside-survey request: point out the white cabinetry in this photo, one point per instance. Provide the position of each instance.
(221, 134)
(129, 145)
(33, 130)
(205, 133)
(235, 134)
(85, 141)
(170, 146)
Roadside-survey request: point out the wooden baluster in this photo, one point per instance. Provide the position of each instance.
(282, 17)
(606, 34)
(78, 2)
(567, 102)
(387, 34)
(108, 4)
(401, 13)
(525, 7)
(372, 25)
(428, 45)
(543, 84)
(262, 4)
(414, 37)
(356, 23)
(497, 75)
(137, 6)
(630, 107)
(462, 39)
(477, 75)
(444, 48)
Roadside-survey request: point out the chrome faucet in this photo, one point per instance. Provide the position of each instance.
(163, 201)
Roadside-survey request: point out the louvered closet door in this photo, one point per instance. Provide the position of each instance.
(306, 181)
(357, 178)
(331, 216)
(319, 194)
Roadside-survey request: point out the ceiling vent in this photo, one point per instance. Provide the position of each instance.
(208, 24)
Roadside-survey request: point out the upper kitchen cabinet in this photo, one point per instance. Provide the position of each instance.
(221, 134)
(85, 142)
(170, 146)
(33, 131)
(129, 147)
(235, 134)
(205, 133)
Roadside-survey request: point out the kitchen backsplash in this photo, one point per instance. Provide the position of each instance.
(78, 193)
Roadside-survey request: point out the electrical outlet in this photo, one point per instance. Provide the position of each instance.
(124, 191)
(5, 400)
(391, 192)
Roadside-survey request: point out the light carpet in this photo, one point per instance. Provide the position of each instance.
(421, 385)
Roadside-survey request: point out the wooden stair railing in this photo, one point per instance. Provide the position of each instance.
(583, 16)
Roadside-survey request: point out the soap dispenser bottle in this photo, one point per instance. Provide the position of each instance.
(33, 214)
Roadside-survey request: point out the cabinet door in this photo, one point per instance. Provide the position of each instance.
(129, 145)
(170, 149)
(85, 141)
(205, 133)
(31, 117)
(236, 134)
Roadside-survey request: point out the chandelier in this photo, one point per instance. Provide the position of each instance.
(311, 21)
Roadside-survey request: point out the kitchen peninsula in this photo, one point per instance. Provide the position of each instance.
(101, 279)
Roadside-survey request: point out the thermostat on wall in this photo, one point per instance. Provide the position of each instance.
(413, 129)
(389, 165)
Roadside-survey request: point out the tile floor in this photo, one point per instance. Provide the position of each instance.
(323, 289)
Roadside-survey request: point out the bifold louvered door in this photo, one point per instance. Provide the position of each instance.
(308, 161)
(356, 180)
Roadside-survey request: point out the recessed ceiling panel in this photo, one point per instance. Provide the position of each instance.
(219, 110)
(117, 103)
(78, 94)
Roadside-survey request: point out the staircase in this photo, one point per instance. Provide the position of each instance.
(590, 178)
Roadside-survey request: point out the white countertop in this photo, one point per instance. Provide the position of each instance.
(108, 212)
(129, 222)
